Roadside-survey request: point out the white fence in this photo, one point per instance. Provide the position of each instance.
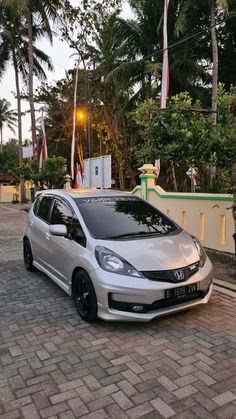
(203, 215)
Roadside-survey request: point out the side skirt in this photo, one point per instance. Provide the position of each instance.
(65, 287)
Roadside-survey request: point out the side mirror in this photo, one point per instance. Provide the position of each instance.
(58, 230)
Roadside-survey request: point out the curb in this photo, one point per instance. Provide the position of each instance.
(224, 287)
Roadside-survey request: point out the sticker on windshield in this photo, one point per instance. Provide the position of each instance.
(108, 199)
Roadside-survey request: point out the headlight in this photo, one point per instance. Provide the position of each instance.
(111, 262)
(201, 252)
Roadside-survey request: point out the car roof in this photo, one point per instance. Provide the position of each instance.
(84, 193)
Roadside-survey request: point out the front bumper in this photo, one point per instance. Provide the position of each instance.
(118, 294)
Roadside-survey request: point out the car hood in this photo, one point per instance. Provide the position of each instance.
(156, 253)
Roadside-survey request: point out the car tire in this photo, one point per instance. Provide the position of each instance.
(85, 297)
(28, 256)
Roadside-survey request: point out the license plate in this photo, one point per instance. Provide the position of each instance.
(181, 293)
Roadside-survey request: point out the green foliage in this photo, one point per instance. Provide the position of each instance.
(9, 157)
(52, 174)
(183, 133)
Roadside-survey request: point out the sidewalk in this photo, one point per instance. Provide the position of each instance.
(224, 266)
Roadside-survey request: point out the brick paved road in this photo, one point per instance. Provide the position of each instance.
(54, 365)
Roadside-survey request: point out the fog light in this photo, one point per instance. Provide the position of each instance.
(137, 307)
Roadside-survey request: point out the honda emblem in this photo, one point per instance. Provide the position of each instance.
(179, 275)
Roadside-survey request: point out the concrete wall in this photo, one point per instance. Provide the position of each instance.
(7, 193)
(203, 215)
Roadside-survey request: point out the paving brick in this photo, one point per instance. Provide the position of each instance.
(17, 404)
(6, 394)
(185, 391)
(205, 378)
(115, 412)
(121, 360)
(61, 397)
(185, 380)
(100, 403)
(140, 410)
(92, 382)
(77, 407)
(172, 354)
(30, 412)
(99, 414)
(66, 415)
(168, 384)
(165, 410)
(127, 388)
(122, 400)
(71, 384)
(14, 414)
(29, 390)
(15, 351)
(185, 362)
(131, 377)
(224, 398)
(53, 410)
(227, 411)
(143, 397)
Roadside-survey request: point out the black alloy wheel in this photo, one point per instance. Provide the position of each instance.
(28, 256)
(85, 297)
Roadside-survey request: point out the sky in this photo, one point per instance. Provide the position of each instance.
(62, 59)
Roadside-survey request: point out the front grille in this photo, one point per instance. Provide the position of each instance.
(170, 276)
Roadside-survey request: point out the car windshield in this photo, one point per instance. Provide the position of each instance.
(123, 217)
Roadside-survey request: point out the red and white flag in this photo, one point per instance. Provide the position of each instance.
(165, 64)
(44, 149)
(78, 183)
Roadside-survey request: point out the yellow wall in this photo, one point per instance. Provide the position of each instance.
(7, 193)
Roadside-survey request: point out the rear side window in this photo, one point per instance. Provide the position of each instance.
(44, 209)
(36, 204)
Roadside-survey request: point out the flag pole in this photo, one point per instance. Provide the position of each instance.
(165, 64)
(74, 124)
(44, 149)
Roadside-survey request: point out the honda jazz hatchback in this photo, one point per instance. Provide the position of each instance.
(119, 257)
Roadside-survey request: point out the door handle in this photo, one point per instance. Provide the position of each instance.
(47, 236)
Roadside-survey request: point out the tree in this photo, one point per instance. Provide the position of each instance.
(52, 174)
(183, 133)
(8, 117)
(9, 157)
(37, 14)
(14, 49)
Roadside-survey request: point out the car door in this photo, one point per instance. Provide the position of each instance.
(39, 229)
(65, 251)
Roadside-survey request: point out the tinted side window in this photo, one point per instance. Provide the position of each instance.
(61, 214)
(45, 208)
(76, 232)
(36, 204)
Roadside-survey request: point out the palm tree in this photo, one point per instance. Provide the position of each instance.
(211, 9)
(7, 116)
(14, 49)
(37, 13)
(215, 5)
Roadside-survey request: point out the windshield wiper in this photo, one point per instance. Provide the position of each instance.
(132, 234)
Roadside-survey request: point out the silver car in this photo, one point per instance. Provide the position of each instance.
(119, 257)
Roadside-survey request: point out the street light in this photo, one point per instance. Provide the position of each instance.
(80, 116)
